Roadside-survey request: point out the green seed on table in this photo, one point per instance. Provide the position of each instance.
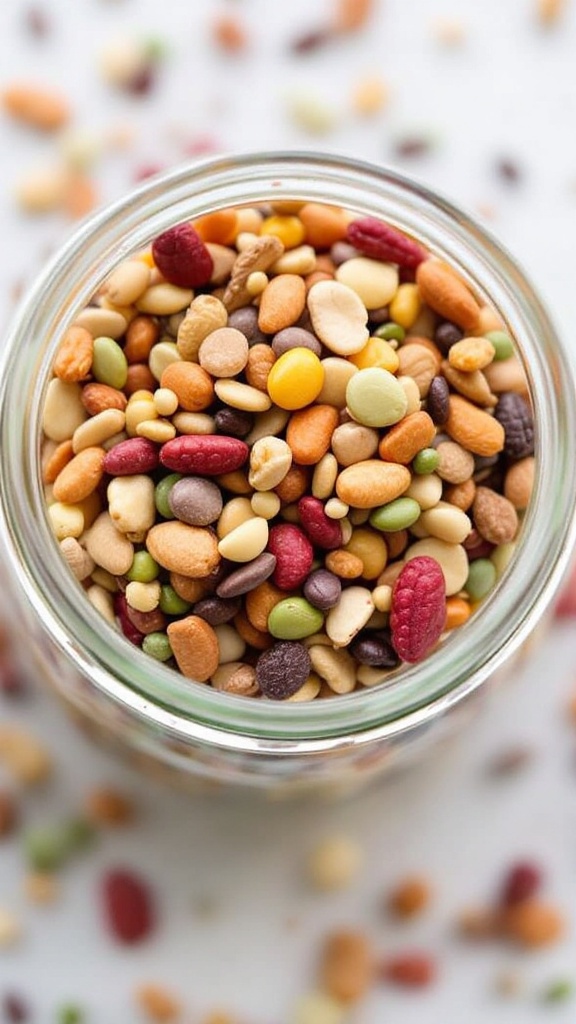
(144, 568)
(109, 364)
(46, 847)
(157, 645)
(503, 344)
(396, 515)
(294, 618)
(70, 1014)
(426, 461)
(163, 488)
(390, 332)
(481, 578)
(171, 603)
(559, 991)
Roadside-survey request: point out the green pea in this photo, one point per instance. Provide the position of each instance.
(171, 603)
(396, 515)
(157, 645)
(425, 461)
(390, 332)
(559, 991)
(47, 847)
(481, 578)
(143, 569)
(163, 488)
(79, 834)
(375, 398)
(294, 618)
(503, 344)
(70, 1014)
(109, 364)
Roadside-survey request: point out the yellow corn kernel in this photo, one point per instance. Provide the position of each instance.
(405, 305)
(376, 352)
(289, 229)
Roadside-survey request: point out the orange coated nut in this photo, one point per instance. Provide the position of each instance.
(309, 433)
(405, 439)
(348, 966)
(324, 225)
(294, 485)
(219, 226)
(143, 332)
(157, 1004)
(281, 303)
(80, 477)
(533, 924)
(471, 354)
(474, 428)
(441, 289)
(260, 602)
(191, 384)
(74, 358)
(187, 550)
(344, 564)
(410, 897)
(99, 397)
(261, 359)
(108, 806)
(60, 457)
(252, 636)
(36, 106)
(371, 482)
(187, 588)
(457, 612)
(195, 647)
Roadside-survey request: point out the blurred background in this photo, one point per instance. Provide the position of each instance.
(479, 102)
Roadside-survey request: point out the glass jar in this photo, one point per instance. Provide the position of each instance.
(193, 731)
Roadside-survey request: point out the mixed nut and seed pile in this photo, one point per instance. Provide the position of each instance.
(286, 450)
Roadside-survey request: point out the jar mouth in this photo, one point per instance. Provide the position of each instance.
(414, 694)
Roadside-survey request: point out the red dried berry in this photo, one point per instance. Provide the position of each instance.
(182, 258)
(294, 555)
(378, 240)
(14, 1009)
(136, 455)
(128, 628)
(418, 613)
(566, 606)
(324, 532)
(521, 883)
(208, 454)
(127, 906)
(412, 970)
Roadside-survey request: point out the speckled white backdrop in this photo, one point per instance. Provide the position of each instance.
(508, 92)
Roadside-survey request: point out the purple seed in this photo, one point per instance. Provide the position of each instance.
(216, 611)
(323, 589)
(248, 576)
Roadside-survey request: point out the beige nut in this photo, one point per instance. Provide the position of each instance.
(131, 505)
(336, 667)
(270, 460)
(339, 317)
(348, 617)
(108, 547)
(205, 315)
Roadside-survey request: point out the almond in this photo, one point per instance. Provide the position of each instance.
(195, 647)
(473, 428)
(519, 482)
(281, 303)
(260, 256)
(418, 362)
(472, 385)
(447, 294)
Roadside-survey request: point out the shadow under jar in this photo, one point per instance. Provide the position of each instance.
(190, 732)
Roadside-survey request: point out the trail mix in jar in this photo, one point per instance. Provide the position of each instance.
(286, 450)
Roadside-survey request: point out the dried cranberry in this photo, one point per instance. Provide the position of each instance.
(128, 906)
(521, 883)
(182, 258)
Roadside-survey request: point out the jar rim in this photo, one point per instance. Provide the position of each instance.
(414, 695)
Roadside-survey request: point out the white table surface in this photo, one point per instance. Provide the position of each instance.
(508, 92)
